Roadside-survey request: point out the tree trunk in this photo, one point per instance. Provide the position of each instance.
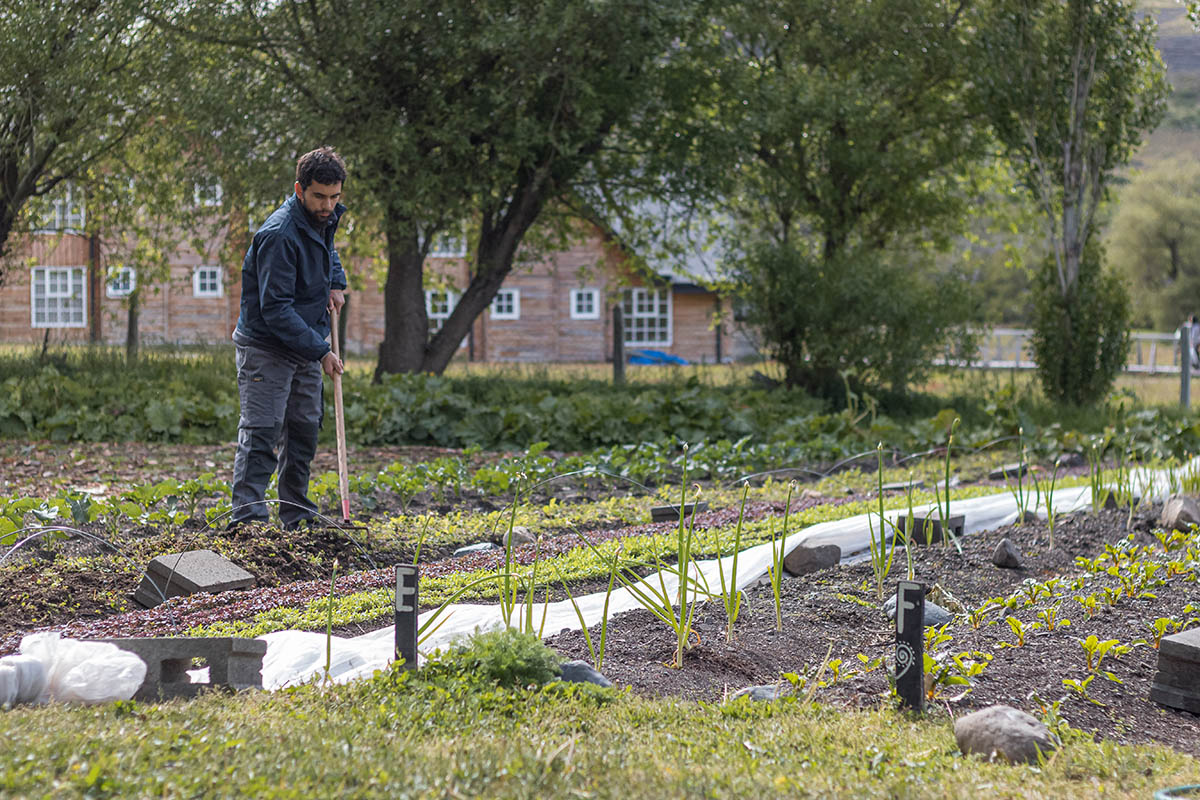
(405, 325)
(131, 327)
(498, 242)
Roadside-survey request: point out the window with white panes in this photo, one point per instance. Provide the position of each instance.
(208, 194)
(66, 211)
(449, 244)
(207, 282)
(121, 281)
(438, 305)
(647, 316)
(507, 304)
(585, 304)
(58, 297)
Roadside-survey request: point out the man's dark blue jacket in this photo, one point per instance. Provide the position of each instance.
(286, 278)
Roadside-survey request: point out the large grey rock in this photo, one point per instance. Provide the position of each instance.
(1177, 680)
(1006, 555)
(583, 672)
(1179, 512)
(1003, 732)
(803, 559)
(187, 573)
(233, 664)
(761, 694)
(520, 536)
(935, 615)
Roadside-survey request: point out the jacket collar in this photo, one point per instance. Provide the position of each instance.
(301, 216)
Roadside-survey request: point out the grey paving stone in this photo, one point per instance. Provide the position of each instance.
(671, 513)
(187, 573)
(1008, 471)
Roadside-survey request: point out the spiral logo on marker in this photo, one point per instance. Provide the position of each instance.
(904, 658)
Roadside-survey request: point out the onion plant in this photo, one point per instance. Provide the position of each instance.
(729, 590)
(883, 547)
(775, 571)
(329, 626)
(596, 649)
(678, 611)
(944, 512)
(1095, 457)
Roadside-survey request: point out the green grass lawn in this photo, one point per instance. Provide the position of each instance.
(449, 735)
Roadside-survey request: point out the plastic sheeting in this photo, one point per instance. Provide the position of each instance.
(68, 670)
(296, 657)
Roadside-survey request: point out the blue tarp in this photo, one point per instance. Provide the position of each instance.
(653, 357)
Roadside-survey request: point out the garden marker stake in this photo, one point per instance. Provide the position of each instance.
(340, 414)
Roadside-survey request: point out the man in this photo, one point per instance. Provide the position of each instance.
(292, 279)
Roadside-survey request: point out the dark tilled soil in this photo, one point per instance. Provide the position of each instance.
(836, 611)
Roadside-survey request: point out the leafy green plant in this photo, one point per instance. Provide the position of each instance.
(1096, 649)
(1080, 688)
(508, 658)
(1050, 619)
(1089, 603)
(1019, 629)
(944, 670)
(1163, 626)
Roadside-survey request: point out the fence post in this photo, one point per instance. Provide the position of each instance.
(1185, 363)
(618, 345)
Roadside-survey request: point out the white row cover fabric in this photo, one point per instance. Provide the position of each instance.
(296, 657)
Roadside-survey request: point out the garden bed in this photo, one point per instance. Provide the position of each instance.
(833, 637)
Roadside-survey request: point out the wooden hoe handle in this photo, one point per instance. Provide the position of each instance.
(339, 412)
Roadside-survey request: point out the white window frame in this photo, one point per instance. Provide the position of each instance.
(122, 281)
(449, 245)
(208, 194)
(67, 213)
(198, 287)
(641, 305)
(69, 301)
(438, 315)
(515, 302)
(576, 294)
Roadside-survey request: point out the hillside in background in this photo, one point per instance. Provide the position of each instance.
(1179, 134)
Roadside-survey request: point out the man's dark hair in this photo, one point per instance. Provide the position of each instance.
(322, 165)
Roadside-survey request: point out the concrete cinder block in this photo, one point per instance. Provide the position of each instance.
(233, 664)
(1177, 682)
(187, 573)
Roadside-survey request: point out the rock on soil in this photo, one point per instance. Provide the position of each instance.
(1003, 732)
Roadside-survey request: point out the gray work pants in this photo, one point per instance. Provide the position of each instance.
(282, 407)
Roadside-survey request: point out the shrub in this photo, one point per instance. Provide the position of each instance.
(506, 657)
(1080, 339)
(877, 318)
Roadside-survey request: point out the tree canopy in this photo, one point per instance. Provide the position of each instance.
(77, 77)
(472, 112)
